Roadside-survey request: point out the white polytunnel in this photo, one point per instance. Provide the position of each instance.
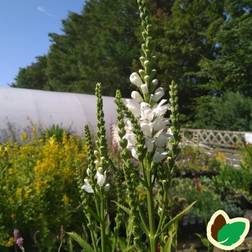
(25, 108)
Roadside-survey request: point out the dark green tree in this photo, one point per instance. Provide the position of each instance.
(34, 76)
(98, 45)
(183, 42)
(232, 111)
(229, 67)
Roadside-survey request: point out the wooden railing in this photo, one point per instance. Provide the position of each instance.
(214, 138)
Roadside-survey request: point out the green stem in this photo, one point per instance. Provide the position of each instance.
(152, 237)
(93, 240)
(102, 226)
(146, 165)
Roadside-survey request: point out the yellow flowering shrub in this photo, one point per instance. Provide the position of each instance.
(38, 194)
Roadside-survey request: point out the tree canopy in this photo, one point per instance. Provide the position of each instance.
(204, 45)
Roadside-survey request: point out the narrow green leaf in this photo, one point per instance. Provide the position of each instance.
(125, 209)
(129, 248)
(177, 217)
(143, 223)
(81, 242)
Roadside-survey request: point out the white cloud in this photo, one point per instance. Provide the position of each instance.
(44, 11)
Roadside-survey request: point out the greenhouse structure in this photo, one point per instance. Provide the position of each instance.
(22, 109)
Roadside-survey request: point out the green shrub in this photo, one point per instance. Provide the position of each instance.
(207, 200)
(232, 111)
(231, 178)
(196, 159)
(37, 195)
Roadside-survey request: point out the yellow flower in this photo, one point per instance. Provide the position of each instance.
(24, 136)
(220, 156)
(66, 199)
(10, 242)
(52, 140)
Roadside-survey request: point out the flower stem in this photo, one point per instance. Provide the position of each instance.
(102, 226)
(150, 204)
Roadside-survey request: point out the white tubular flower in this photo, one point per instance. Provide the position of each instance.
(161, 108)
(101, 178)
(147, 129)
(134, 153)
(159, 156)
(133, 106)
(136, 96)
(160, 123)
(136, 80)
(87, 187)
(149, 142)
(169, 132)
(144, 88)
(128, 125)
(131, 139)
(161, 140)
(159, 93)
(146, 112)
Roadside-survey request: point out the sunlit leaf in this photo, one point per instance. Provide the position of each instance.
(81, 242)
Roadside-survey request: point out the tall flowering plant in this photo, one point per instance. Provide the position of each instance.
(148, 147)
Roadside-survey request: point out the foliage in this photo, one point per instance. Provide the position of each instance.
(33, 76)
(148, 148)
(196, 159)
(246, 152)
(182, 42)
(231, 178)
(228, 68)
(207, 200)
(37, 193)
(232, 111)
(210, 196)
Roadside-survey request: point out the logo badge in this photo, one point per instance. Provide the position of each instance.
(225, 233)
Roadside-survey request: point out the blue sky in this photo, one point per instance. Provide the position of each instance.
(24, 28)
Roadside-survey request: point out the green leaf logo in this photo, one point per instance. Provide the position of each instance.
(225, 233)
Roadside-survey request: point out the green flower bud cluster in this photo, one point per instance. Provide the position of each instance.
(101, 141)
(147, 58)
(175, 128)
(91, 170)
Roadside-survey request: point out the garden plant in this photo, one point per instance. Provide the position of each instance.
(128, 207)
(145, 193)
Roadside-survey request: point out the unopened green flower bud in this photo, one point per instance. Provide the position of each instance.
(146, 63)
(142, 73)
(148, 27)
(146, 78)
(142, 59)
(107, 187)
(155, 82)
(154, 71)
